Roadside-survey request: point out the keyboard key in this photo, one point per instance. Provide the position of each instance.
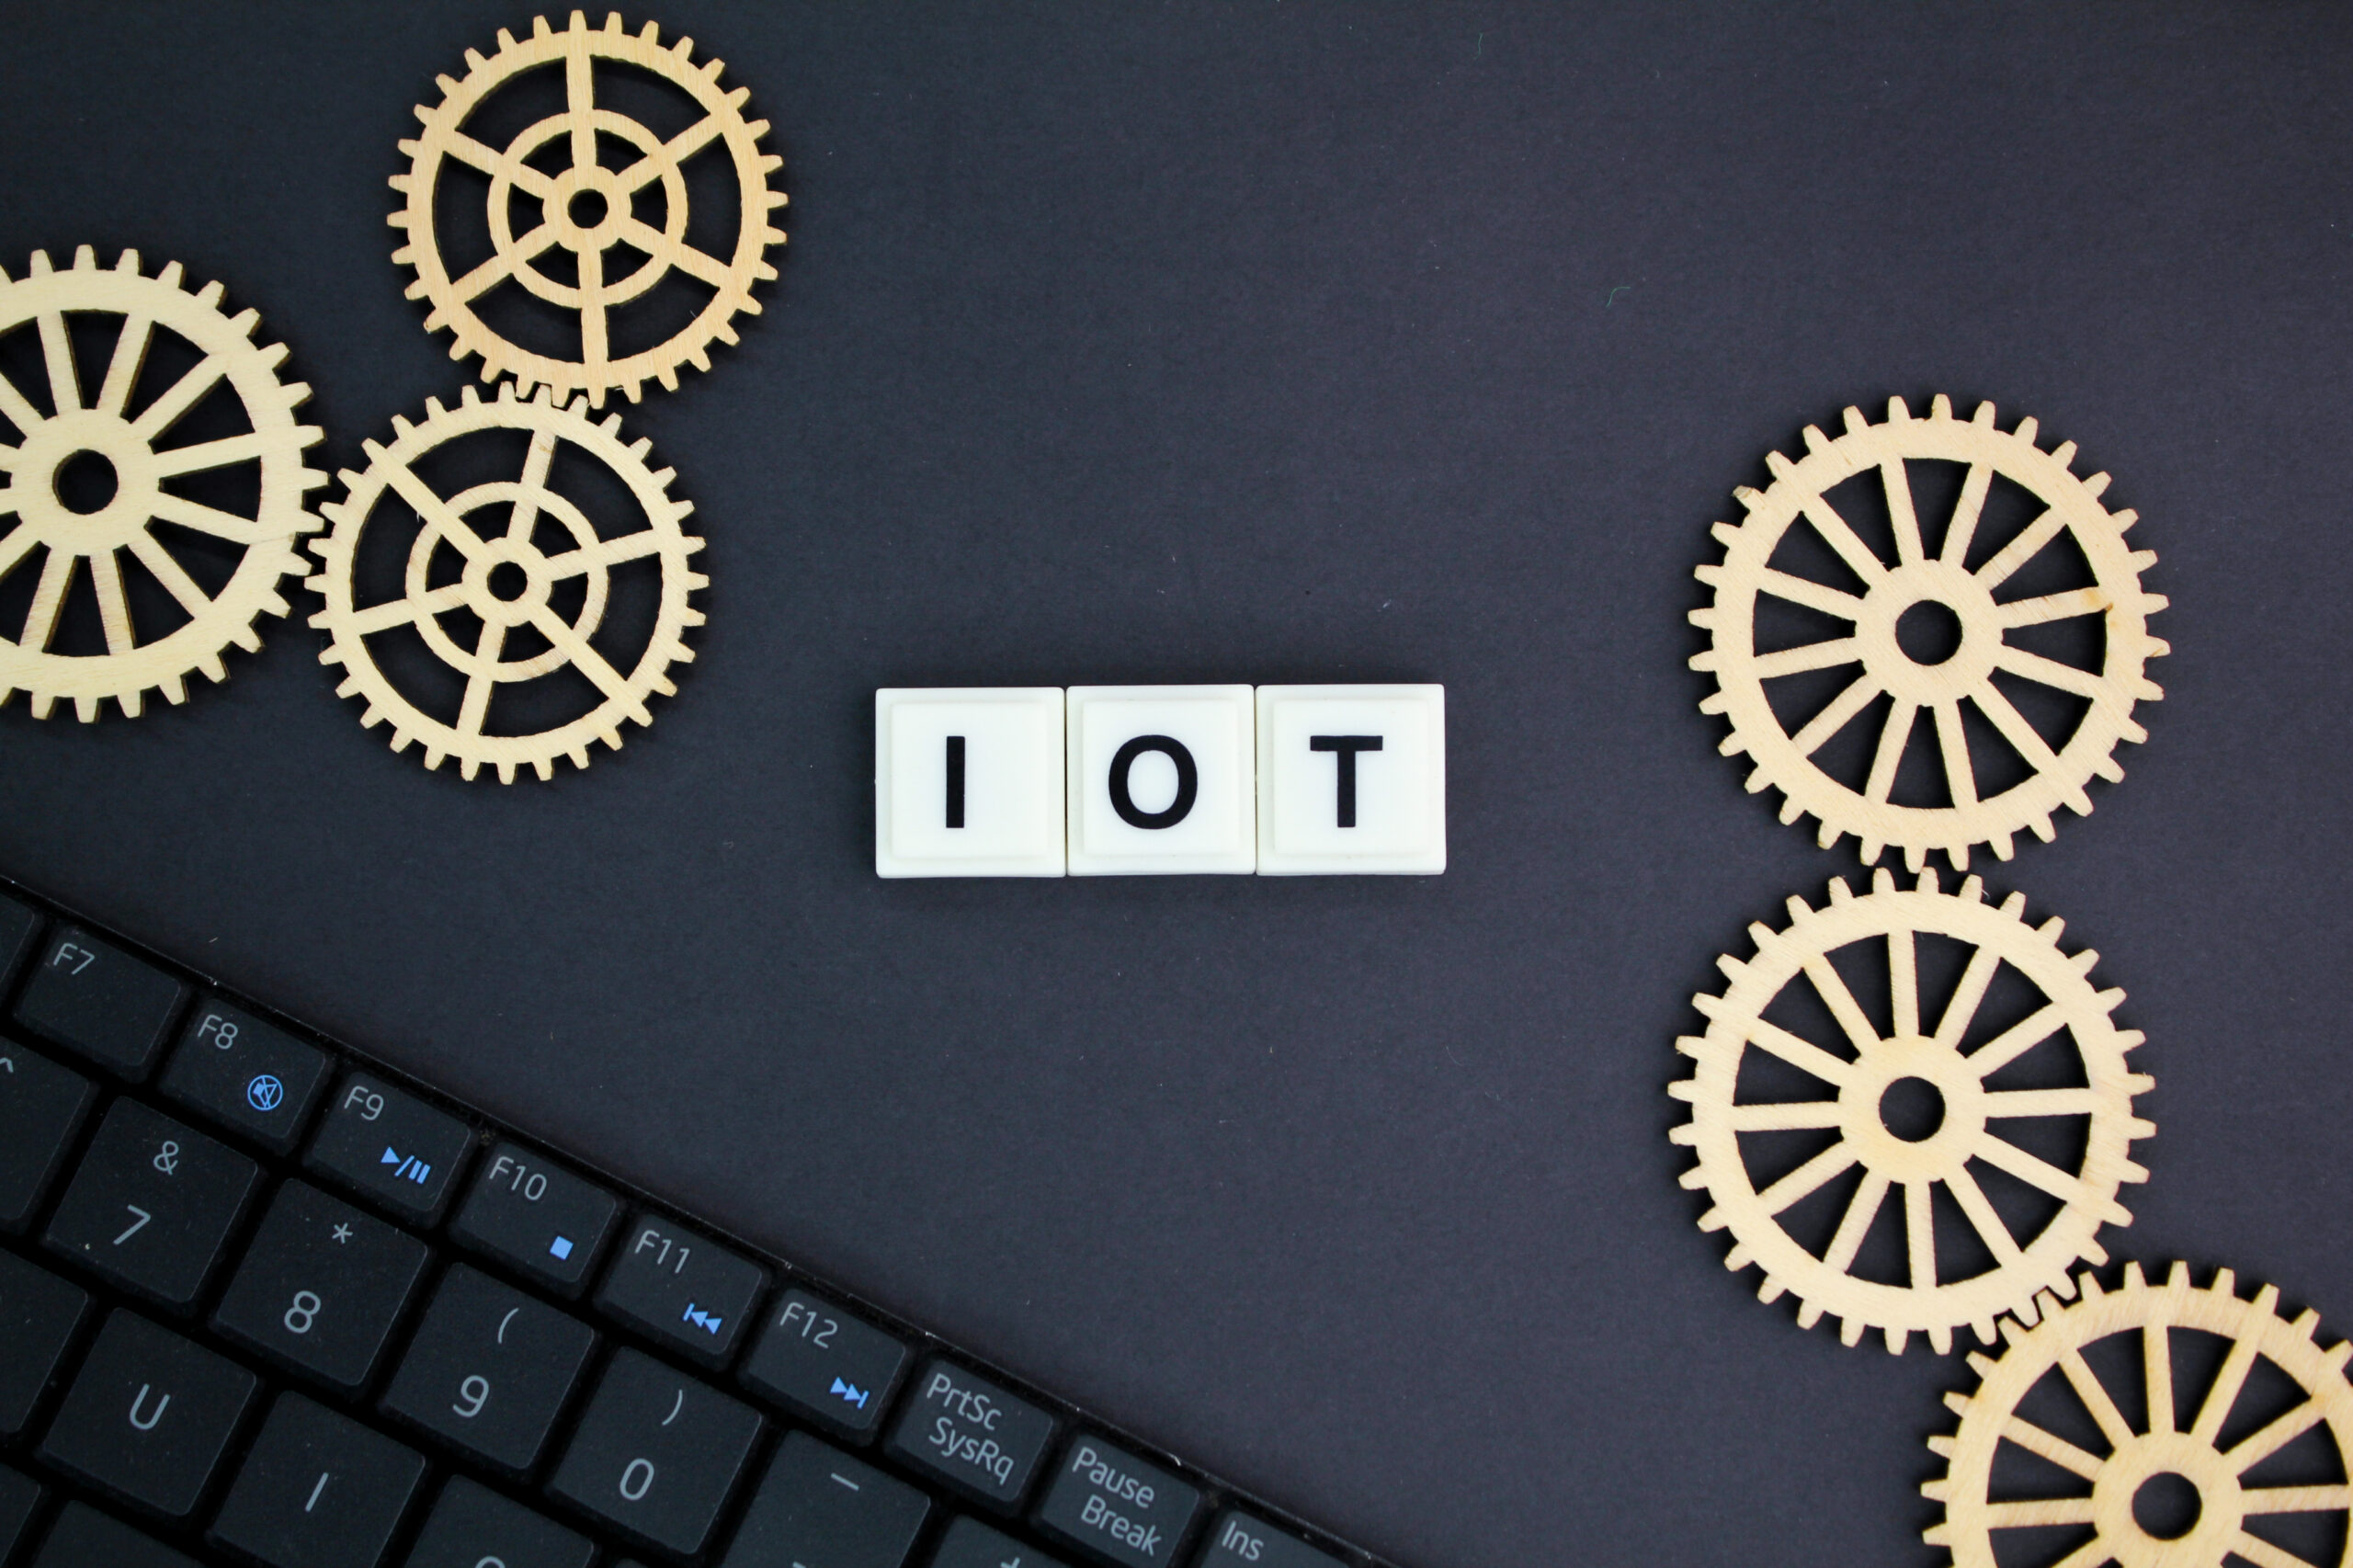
(971, 1434)
(1113, 1506)
(42, 1105)
(489, 1368)
(692, 1294)
(148, 1415)
(19, 1496)
(39, 1313)
(391, 1148)
(99, 1002)
(536, 1216)
(1237, 1541)
(152, 1204)
(473, 1527)
(318, 1491)
(824, 1365)
(820, 1508)
(320, 1286)
(656, 1454)
(19, 926)
(971, 1544)
(83, 1538)
(248, 1076)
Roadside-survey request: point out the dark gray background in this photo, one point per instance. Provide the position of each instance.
(1276, 343)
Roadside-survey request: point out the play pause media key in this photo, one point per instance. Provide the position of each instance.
(391, 1148)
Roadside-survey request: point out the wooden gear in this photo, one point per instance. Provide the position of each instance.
(64, 541)
(520, 511)
(1784, 760)
(612, 192)
(1916, 1048)
(2187, 1442)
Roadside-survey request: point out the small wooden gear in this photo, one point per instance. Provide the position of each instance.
(586, 210)
(131, 434)
(2179, 1432)
(1856, 1072)
(1784, 758)
(534, 569)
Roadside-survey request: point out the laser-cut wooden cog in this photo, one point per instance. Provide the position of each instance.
(2189, 1444)
(610, 223)
(65, 542)
(1916, 1048)
(1784, 760)
(521, 509)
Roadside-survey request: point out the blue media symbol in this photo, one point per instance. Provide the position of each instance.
(707, 1322)
(852, 1392)
(561, 1248)
(409, 1165)
(265, 1093)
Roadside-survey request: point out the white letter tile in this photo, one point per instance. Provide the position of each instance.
(1351, 780)
(1006, 820)
(1162, 779)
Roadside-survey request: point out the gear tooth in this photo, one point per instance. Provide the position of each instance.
(2178, 1282)
(38, 703)
(1823, 840)
(214, 670)
(1809, 1313)
(1927, 881)
(1703, 618)
(2107, 768)
(1941, 1444)
(652, 33)
(506, 39)
(1798, 909)
(1882, 880)
(131, 702)
(1972, 889)
(612, 425)
(699, 359)
(1692, 1180)
(1707, 573)
(1980, 1363)
(1733, 969)
(1867, 851)
(2064, 452)
(1840, 891)
(1690, 1045)
(2133, 1278)
(172, 274)
(4, 279)
(86, 259)
(684, 49)
(1940, 407)
(2051, 930)
(1748, 496)
(2015, 906)
(1941, 1339)
(2097, 486)
(689, 618)
(447, 84)
(1957, 1403)
(209, 295)
(1738, 1257)
(246, 637)
(127, 262)
(86, 708)
(612, 737)
(2029, 429)
(540, 26)
(2335, 1356)
(433, 755)
(2084, 959)
(2092, 1287)
(1938, 1535)
(1850, 1331)
(1934, 1490)
(579, 756)
(1772, 1290)
(668, 377)
(1852, 417)
(1896, 1339)
(1778, 466)
(41, 266)
(372, 448)
(2140, 1127)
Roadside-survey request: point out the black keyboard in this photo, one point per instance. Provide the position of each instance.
(265, 1301)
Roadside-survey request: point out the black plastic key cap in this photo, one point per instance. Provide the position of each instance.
(99, 1001)
(471, 1527)
(489, 1368)
(148, 1415)
(320, 1286)
(824, 1365)
(817, 1507)
(242, 1073)
(318, 1491)
(656, 1454)
(971, 1544)
(971, 1434)
(391, 1148)
(536, 1217)
(41, 1104)
(19, 926)
(19, 1496)
(152, 1204)
(1114, 1507)
(84, 1538)
(1237, 1541)
(686, 1291)
(39, 1313)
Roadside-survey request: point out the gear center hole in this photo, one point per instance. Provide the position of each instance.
(1911, 1109)
(2167, 1506)
(1929, 632)
(85, 482)
(587, 209)
(506, 582)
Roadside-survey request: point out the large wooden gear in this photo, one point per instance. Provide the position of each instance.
(69, 546)
(1928, 698)
(2182, 1432)
(1855, 1072)
(587, 209)
(499, 578)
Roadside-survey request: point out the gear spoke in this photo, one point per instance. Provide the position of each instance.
(1983, 1217)
(1801, 1054)
(1920, 1234)
(1834, 602)
(122, 367)
(2050, 672)
(434, 512)
(1835, 715)
(2049, 1446)
(2091, 1554)
(1842, 1005)
(2296, 1499)
(57, 350)
(48, 597)
(476, 706)
(674, 153)
(1952, 747)
(500, 266)
(605, 552)
(188, 514)
(2003, 1103)
(402, 611)
(114, 610)
(2023, 737)
(206, 455)
(698, 265)
(1900, 514)
(1893, 736)
(2034, 1170)
(609, 681)
(497, 165)
(1806, 1179)
(168, 571)
(1811, 656)
(1834, 531)
(2156, 1374)
(16, 544)
(17, 408)
(1962, 530)
(2041, 1511)
(182, 395)
(2262, 1554)
(1862, 1210)
(593, 348)
(2052, 607)
(2029, 544)
(1785, 1116)
(2095, 1395)
(1904, 982)
(2018, 1040)
(526, 514)
(2216, 1407)
(580, 101)
(2255, 1448)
